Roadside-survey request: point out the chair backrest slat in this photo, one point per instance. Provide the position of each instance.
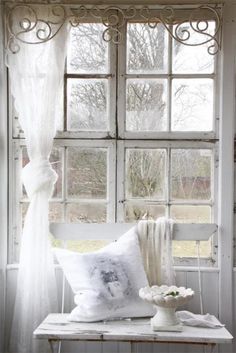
(112, 231)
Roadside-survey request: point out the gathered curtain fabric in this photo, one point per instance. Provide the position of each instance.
(36, 76)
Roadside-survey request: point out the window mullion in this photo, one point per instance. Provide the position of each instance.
(169, 88)
(65, 100)
(112, 89)
(168, 182)
(120, 180)
(121, 82)
(111, 184)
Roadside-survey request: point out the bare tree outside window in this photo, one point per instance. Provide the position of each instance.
(141, 169)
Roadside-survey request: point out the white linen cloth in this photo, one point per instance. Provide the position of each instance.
(36, 74)
(190, 319)
(155, 239)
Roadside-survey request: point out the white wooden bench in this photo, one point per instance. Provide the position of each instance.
(55, 328)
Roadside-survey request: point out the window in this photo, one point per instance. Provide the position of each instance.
(139, 135)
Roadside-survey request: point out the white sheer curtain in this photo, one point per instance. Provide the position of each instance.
(36, 74)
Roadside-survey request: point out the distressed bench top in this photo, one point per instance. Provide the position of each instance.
(56, 327)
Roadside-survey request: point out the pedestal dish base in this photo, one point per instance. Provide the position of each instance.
(166, 300)
(173, 328)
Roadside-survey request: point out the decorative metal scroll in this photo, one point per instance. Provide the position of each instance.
(33, 24)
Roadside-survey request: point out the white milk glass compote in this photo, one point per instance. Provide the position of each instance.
(166, 299)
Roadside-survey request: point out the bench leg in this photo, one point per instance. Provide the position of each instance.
(54, 345)
(210, 348)
(133, 347)
(213, 345)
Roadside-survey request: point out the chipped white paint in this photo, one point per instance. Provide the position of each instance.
(56, 328)
(226, 169)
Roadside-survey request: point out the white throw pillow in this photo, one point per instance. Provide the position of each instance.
(106, 282)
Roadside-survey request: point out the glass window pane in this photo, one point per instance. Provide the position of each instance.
(55, 215)
(56, 212)
(56, 161)
(188, 249)
(87, 104)
(86, 212)
(86, 245)
(147, 48)
(87, 173)
(146, 105)
(81, 246)
(87, 52)
(191, 214)
(192, 105)
(193, 59)
(145, 173)
(191, 174)
(137, 211)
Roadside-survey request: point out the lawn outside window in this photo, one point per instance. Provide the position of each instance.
(139, 137)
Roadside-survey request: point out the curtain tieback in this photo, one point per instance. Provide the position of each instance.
(39, 176)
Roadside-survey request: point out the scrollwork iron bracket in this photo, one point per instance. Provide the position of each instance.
(35, 24)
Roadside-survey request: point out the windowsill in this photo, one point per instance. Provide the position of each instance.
(177, 268)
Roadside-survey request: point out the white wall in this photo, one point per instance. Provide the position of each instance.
(3, 178)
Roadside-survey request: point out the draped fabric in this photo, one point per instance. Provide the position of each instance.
(36, 76)
(155, 239)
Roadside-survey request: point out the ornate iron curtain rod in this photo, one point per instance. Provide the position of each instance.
(29, 23)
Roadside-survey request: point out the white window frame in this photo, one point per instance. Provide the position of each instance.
(93, 138)
(111, 109)
(16, 190)
(122, 145)
(163, 135)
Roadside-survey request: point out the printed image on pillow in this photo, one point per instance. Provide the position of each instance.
(115, 279)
